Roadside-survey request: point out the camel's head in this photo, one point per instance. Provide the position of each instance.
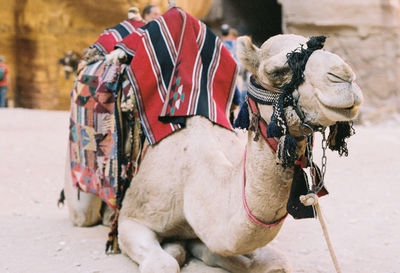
(316, 88)
(328, 94)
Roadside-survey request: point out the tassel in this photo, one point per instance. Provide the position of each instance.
(338, 133)
(273, 129)
(243, 121)
(254, 126)
(286, 153)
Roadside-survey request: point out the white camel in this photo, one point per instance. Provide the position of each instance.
(190, 185)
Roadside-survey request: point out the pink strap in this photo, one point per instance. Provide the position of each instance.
(251, 216)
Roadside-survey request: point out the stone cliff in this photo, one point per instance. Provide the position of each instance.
(35, 34)
(363, 32)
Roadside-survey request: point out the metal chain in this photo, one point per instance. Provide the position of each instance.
(324, 145)
(309, 140)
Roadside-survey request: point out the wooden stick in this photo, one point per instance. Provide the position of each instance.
(311, 199)
(327, 239)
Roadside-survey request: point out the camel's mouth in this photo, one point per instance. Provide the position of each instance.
(339, 113)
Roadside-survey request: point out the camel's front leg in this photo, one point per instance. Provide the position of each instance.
(142, 245)
(234, 264)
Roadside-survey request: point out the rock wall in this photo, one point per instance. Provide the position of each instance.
(363, 32)
(35, 34)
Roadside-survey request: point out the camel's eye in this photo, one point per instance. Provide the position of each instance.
(279, 72)
(337, 79)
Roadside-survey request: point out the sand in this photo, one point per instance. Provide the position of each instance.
(362, 210)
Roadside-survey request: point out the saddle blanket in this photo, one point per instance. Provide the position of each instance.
(93, 138)
(179, 68)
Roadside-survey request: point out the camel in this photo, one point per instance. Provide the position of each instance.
(189, 191)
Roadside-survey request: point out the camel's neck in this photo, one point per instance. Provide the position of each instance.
(267, 184)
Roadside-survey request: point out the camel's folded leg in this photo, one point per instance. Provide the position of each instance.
(142, 245)
(84, 208)
(268, 259)
(232, 264)
(265, 260)
(177, 250)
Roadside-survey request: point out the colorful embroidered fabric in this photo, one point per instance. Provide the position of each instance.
(179, 69)
(93, 140)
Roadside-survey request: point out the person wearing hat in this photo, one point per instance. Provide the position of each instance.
(3, 81)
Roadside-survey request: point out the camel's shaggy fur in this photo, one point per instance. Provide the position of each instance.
(189, 186)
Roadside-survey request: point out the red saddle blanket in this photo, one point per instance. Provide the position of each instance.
(179, 68)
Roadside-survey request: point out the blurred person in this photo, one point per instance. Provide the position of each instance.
(70, 63)
(229, 36)
(3, 82)
(151, 12)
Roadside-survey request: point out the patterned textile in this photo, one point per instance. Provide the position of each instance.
(110, 37)
(179, 69)
(93, 139)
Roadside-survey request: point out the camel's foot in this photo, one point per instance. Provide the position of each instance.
(269, 260)
(195, 265)
(159, 262)
(232, 264)
(176, 250)
(84, 208)
(265, 260)
(142, 245)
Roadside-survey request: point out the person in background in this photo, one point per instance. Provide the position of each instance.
(151, 12)
(229, 36)
(3, 82)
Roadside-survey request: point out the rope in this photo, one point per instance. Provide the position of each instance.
(311, 199)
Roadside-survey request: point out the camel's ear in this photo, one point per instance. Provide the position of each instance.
(248, 54)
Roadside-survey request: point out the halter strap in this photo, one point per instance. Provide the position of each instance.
(261, 95)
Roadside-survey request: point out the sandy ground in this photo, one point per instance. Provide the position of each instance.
(362, 211)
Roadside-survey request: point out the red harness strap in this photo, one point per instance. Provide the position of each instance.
(262, 125)
(272, 143)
